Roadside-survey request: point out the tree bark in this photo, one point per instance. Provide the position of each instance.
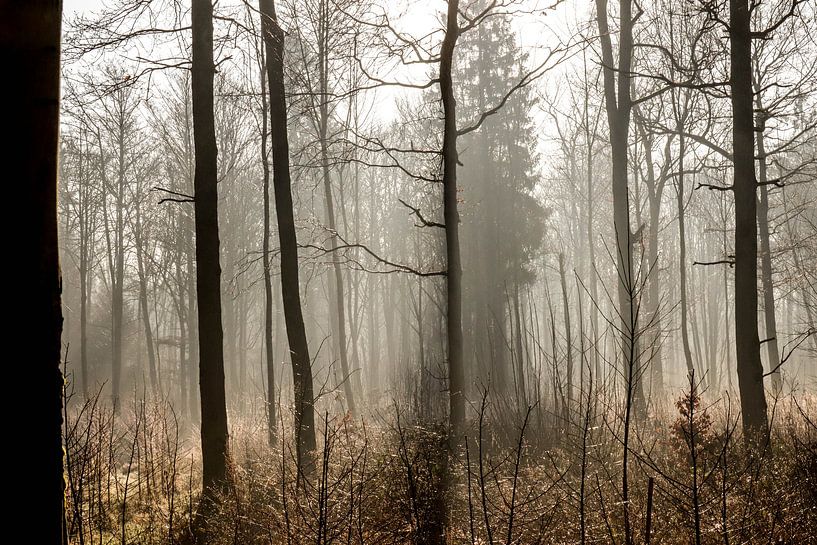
(208, 269)
(451, 217)
(747, 341)
(290, 287)
(30, 36)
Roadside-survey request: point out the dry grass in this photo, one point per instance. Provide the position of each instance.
(134, 479)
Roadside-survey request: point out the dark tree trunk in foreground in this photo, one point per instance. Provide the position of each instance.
(747, 341)
(30, 38)
(456, 371)
(290, 288)
(208, 269)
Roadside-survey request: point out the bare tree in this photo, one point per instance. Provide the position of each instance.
(290, 288)
(747, 340)
(208, 269)
(456, 371)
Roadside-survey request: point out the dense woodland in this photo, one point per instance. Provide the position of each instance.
(420, 271)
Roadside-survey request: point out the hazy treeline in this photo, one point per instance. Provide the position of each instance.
(536, 234)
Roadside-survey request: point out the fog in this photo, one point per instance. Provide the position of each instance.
(557, 228)
(534, 189)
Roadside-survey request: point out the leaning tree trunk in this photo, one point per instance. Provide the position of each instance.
(747, 341)
(456, 370)
(208, 269)
(30, 36)
(290, 288)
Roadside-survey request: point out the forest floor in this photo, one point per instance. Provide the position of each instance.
(520, 476)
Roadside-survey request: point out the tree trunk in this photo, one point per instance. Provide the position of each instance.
(521, 381)
(244, 312)
(118, 279)
(654, 297)
(373, 352)
(456, 371)
(655, 192)
(682, 253)
(568, 338)
(618, 105)
(766, 259)
(143, 304)
(181, 311)
(85, 244)
(336, 291)
(290, 287)
(272, 418)
(30, 34)
(747, 341)
(208, 269)
(591, 254)
(84, 303)
(118, 266)
(727, 339)
(184, 367)
(193, 363)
